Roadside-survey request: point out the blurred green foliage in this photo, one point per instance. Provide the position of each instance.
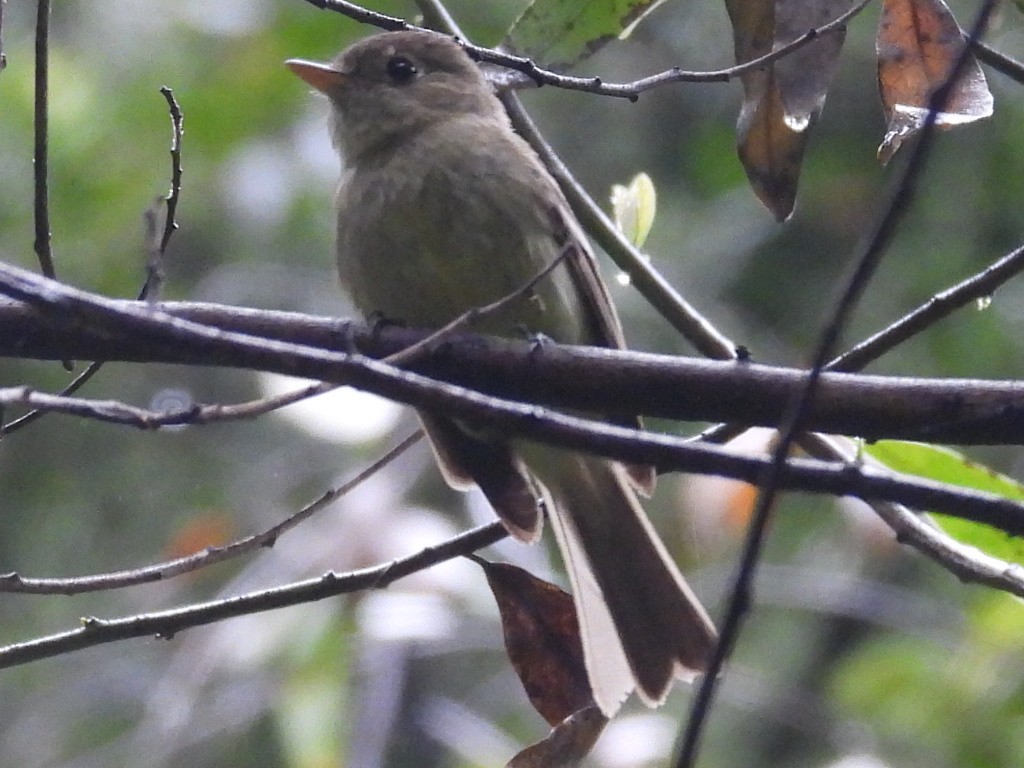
(856, 647)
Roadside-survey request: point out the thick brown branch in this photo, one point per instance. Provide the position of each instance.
(955, 411)
(160, 330)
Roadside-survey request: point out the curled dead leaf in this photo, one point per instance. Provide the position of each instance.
(782, 101)
(542, 638)
(919, 44)
(567, 743)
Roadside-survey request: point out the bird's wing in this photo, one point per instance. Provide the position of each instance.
(587, 276)
(597, 302)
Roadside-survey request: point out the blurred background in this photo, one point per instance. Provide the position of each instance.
(859, 653)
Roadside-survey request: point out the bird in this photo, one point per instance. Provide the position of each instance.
(442, 208)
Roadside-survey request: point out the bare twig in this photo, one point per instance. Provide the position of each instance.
(43, 244)
(939, 306)
(76, 384)
(177, 131)
(13, 582)
(116, 412)
(362, 15)
(166, 624)
(154, 219)
(537, 75)
(966, 562)
(160, 216)
(40, 160)
(633, 89)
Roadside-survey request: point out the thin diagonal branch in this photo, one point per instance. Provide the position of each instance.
(165, 624)
(117, 412)
(939, 306)
(536, 75)
(668, 302)
(410, 353)
(14, 582)
(76, 384)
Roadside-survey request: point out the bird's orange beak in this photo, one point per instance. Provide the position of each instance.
(323, 77)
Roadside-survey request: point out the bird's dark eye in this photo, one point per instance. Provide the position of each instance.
(401, 70)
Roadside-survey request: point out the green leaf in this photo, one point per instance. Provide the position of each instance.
(633, 207)
(948, 466)
(558, 33)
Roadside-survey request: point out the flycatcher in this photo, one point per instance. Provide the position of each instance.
(443, 208)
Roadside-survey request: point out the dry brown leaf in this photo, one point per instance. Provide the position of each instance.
(769, 148)
(918, 45)
(782, 101)
(567, 744)
(542, 638)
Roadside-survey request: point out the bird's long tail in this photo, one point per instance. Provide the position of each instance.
(642, 626)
